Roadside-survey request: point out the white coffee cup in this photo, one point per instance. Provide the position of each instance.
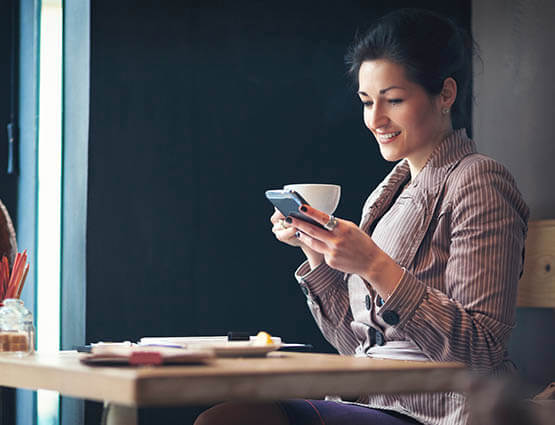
(323, 197)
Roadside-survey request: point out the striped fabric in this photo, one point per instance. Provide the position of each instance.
(458, 231)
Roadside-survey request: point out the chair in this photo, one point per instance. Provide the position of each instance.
(537, 284)
(506, 401)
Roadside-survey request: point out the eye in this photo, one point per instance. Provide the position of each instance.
(395, 101)
(368, 103)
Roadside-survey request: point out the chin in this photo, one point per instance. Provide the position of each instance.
(390, 155)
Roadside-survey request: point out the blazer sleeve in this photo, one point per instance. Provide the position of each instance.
(471, 319)
(328, 300)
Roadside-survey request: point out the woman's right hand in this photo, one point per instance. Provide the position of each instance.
(286, 234)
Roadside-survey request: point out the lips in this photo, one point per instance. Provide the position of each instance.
(384, 138)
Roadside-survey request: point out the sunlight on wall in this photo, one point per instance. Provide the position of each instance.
(49, 196)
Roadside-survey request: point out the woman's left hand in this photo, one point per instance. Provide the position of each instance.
(349, 249)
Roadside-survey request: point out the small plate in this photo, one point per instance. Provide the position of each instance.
(189, 341)
(220, 345)
(236, 349)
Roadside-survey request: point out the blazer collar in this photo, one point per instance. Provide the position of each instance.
(427, 183)
(443, 158)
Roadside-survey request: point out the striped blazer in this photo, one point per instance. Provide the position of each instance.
(458, 230)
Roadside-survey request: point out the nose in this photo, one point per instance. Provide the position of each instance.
(375, 117)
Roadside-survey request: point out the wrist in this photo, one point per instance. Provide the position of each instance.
(384, 275)
(314, 258)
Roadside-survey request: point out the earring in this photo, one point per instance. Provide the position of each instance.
(445, 111)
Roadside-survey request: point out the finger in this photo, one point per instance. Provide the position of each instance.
(285, 235)
(312, 243)
(311, 230)
(283, 223)
(276, 216)
(317, 215)
(280, 224)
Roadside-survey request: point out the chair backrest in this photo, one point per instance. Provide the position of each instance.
(537, 284)
(8, 244)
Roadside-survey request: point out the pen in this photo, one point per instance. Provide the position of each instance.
(296, 347)
(82, 348)
(162, 345)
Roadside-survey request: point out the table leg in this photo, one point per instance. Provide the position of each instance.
(115, 414)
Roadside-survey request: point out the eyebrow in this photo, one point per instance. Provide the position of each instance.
(382, 91)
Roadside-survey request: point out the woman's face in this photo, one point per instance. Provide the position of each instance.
(405, 120)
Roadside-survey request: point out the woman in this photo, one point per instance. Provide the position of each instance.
(431, 272)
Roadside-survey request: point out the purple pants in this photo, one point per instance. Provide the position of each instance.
(322, 412)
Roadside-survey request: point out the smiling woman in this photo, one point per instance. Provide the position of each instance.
(431, 272)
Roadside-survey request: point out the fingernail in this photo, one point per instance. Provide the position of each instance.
(297, 235)
(289, 220)
(304, 209)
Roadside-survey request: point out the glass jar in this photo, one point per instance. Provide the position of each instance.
(17, 333)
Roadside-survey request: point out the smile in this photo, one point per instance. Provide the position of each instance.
(387, 137)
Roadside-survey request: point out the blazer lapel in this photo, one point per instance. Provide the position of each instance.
(428, 188)
(424, 194)
(380, 199)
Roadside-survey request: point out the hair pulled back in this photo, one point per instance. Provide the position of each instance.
(430, 47)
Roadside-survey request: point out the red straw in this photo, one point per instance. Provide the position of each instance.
(4, 276)
(22, 281)
(17, 273)
(11, 284)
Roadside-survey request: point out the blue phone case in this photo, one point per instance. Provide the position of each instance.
(288, 203)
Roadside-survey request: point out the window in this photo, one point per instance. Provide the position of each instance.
(49, 195)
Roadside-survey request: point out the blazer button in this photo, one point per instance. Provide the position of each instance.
(367, 302)
(380, 339)
(379, 301)
(305, 290)
(390, 317)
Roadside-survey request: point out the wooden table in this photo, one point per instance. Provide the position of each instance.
(280, 375)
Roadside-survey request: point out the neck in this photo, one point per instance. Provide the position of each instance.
(416, 165)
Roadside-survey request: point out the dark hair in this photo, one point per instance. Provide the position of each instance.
(430, 47)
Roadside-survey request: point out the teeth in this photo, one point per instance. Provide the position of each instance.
(388, 135)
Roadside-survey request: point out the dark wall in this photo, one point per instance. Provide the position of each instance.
(196, 108)
(8, 182)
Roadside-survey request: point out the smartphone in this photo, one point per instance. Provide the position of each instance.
(288, 202)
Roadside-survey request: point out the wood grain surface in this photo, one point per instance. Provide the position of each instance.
(537, 284)
(280, 375)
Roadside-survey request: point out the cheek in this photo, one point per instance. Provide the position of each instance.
(366, 118)
(417, 118)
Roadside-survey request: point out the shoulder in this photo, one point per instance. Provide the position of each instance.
(479, 181)
(479, 166)
(477, 171)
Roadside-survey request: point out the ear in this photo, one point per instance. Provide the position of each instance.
(448, 93)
